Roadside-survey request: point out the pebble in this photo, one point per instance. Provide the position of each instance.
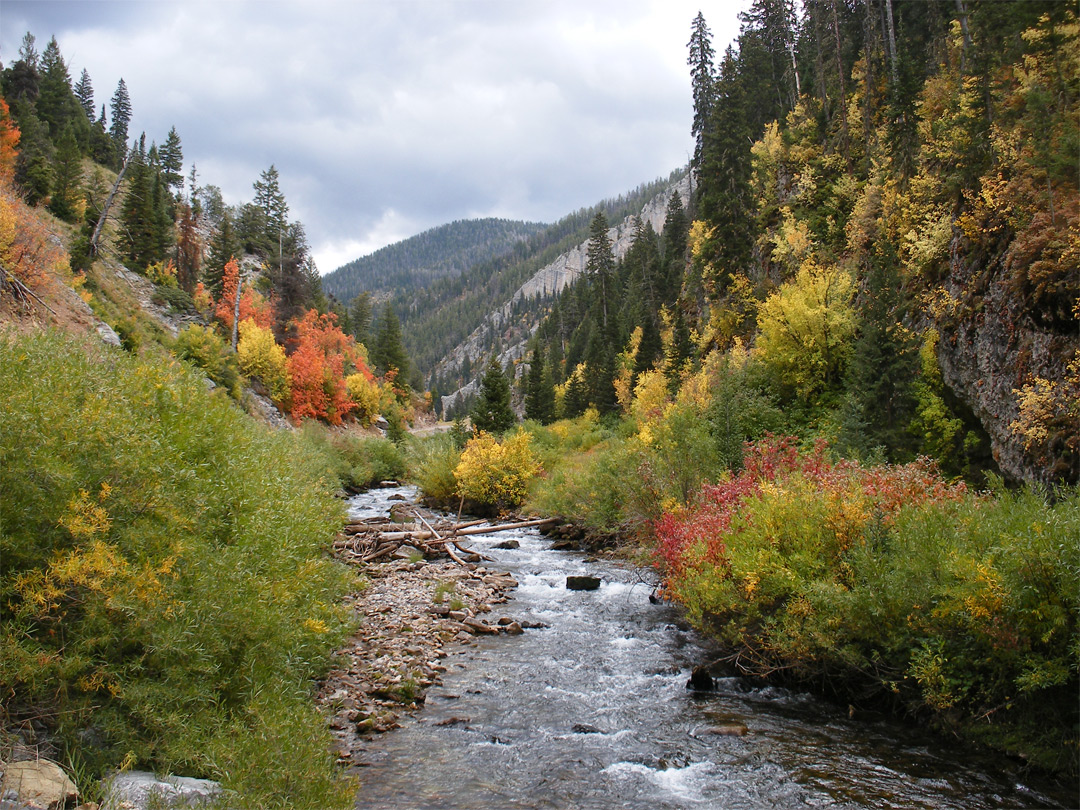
(383, 671)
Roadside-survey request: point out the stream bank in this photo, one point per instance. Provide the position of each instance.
(592, 711)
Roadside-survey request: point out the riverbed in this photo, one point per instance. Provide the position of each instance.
(592, 711)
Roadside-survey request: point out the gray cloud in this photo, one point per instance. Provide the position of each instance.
(386, 118)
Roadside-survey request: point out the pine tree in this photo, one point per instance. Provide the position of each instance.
(120, 108)
(600, 268)
(360, 312)
(492, 412)
(223, 246)
(388, 353)
(701, 80)
(271, 201)
(68, 174)
(172, 160)
(539, 391)
(57, 104)
(84, 91)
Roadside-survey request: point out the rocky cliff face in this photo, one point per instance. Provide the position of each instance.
(991, 345)
(545, 284)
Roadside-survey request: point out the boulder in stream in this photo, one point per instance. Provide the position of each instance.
(37, 784)
(700, 680)
(582, 583)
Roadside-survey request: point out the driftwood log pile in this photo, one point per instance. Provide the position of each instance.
(375, 539)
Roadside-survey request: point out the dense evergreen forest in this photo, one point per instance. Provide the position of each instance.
(886, 214)
(417, 262)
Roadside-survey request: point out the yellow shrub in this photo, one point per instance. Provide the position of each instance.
(366, 394)
(263, 359)
(494, 473)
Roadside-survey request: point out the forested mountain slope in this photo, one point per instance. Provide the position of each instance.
(420, 260)
(438, 317)
(886, 214)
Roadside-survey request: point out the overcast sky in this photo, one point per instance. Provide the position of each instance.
(388, 118)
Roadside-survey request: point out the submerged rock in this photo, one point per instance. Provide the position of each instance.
(582, 583)
(144, 790)
(700, 680)
(508, 544)
(729, 730)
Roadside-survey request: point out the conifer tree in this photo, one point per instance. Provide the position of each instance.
(57, 104)
(701, 80)
(492, 411)
(388, 353)
(223, 246)
(120, 108)
(172, 160)
(539, 391)
(84, 91)
(68, 173)
(360, 313)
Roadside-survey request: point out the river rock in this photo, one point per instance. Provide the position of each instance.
(508, 544)
(37, 784)
(478, 627)
(584, 728)
(582, 583)
(142, 790)
(729, 730)
(513, 629)
(700, 680)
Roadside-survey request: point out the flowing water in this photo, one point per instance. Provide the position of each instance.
(593, 712)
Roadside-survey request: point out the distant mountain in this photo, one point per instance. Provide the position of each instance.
(417, 262)
(437, 319)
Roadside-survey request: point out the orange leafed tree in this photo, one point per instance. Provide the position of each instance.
(27, 249)
(323, 357)
(9, 141)
(254, 306)
(226, 304)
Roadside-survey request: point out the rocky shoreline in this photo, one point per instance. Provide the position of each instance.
(411, 611)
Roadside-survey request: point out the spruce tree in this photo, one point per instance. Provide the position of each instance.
(360, 312)
(492, 412)
(701, 80)
(120, 108)
(172, 160)
(224, 245)
(539, 391)
(84, 91)
(388, 353)
(66, 188)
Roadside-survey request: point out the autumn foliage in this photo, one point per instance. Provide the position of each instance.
(323, 357)
(27, 250)
(9, 140)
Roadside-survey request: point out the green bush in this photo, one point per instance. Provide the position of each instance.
(431, 467)
(358, 462)
(893, 586)
(205, 349)
(165, 589)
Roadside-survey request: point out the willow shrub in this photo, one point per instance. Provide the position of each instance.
(888, 581)
(166, 598)
(432, 462)
(358, 462)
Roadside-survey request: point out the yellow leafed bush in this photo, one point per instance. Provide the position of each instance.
(494, 473)
(263, 359)
(366, 394)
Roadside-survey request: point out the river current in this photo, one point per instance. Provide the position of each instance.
(592, 711)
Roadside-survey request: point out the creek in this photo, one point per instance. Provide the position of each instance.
(592, 711)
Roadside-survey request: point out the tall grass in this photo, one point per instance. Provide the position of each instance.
(166, 598)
